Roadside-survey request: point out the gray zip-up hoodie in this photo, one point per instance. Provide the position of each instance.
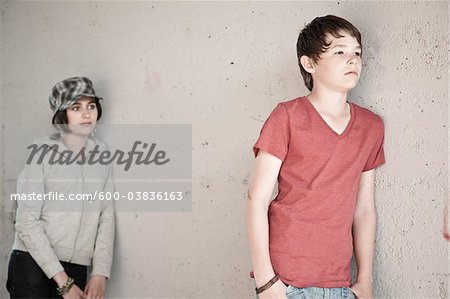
(76, 231)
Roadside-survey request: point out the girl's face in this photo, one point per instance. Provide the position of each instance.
(82, 116)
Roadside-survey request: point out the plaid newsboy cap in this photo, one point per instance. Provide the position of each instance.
(67, 92)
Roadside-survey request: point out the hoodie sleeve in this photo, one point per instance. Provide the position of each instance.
(104, 243)
(28, 223)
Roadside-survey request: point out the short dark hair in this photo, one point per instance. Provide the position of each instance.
(312, 40)
(60, 117)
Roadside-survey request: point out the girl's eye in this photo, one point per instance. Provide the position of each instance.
(340, 52)
(92, 106)
(358, 54)
(74, 108)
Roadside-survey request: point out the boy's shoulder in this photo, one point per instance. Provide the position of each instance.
(292, 105)
(367, 115)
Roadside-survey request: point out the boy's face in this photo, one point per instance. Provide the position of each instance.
(339, 68)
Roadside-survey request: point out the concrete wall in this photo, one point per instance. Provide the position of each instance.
(222, 67)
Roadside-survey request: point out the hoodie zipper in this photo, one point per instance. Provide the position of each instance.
(81, 217)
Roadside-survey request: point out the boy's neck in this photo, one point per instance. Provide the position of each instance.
(330, 102)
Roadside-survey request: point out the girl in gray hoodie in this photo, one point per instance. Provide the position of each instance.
(56, 240)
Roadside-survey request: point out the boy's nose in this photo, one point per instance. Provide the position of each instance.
(353, 60)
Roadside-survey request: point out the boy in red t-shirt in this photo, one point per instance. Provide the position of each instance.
(322, 150)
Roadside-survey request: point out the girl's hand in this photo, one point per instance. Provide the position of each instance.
(75, 293)
(96, 287)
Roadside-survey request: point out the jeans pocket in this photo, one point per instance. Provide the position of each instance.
(289, 290)
(27, 271)
(349, 294)
(294, 292)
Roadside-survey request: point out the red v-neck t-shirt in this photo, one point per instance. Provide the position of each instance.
(310, 220)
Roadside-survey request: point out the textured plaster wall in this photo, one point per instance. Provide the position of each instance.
(222, 67)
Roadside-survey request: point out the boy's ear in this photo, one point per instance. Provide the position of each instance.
(308, 64)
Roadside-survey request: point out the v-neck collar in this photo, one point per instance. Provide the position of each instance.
(324, 123)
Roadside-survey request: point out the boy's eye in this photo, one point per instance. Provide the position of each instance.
(342, 52)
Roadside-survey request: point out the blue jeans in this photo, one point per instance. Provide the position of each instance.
(322, 293)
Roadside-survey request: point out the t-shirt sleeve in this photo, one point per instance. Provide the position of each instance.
(275, 134)
(376, 156)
